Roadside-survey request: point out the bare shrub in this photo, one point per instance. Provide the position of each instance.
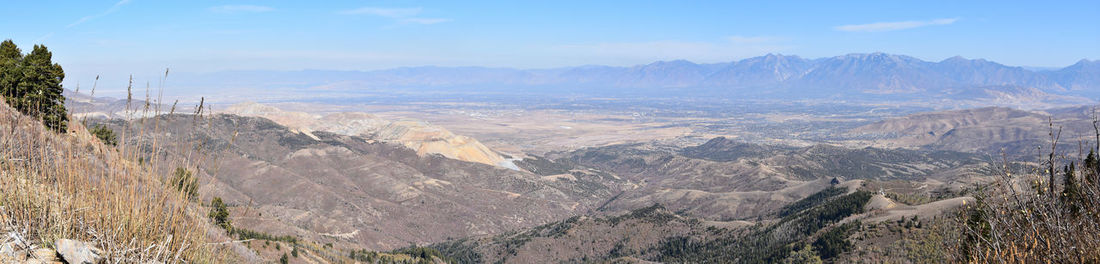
(1048, 213)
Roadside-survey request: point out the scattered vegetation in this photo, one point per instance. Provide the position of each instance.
(243, 234)
(771, 243)
(875, 163)
(105, 135)
(655, 213)
(543, 166)
(409, 255)
(808, 234)
(1047, 215)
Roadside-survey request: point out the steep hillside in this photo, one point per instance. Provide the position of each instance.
(831, 225)
(70, 186)
(361, 192)
(722, 179)
(638, 234)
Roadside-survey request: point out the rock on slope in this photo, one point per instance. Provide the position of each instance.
(420, 136)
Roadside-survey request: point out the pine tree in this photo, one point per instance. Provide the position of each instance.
(104, 134)
(186, 183)
(32, 84)
(11, 59)
(1092, 168)
(1070, 192)
(220, 214)
(42, 84)
(1051, 180)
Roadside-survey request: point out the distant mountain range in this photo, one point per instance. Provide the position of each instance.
(852, 76)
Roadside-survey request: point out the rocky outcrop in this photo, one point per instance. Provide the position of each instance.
(76, 252)
(15, 248)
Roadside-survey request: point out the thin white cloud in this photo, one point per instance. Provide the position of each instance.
(425, 21)
(241, 9)
(729, 48)
(891, 26)
(401, 15)
(104, 13)
(383, 12)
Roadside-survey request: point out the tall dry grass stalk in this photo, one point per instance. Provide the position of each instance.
(55, 186)
(1033, 217)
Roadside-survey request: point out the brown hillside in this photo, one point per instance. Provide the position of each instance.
(361, 192)
(71, 186)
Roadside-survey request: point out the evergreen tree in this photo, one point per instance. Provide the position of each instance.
(32, 84)
(1050, 181)
(220, 214)
(1070, 192)
(976, 220)
(104, 134)
(186, 183)
(1092, 168)
(11, 59)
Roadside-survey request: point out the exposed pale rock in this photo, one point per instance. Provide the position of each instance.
(45, 255)
(74, 252)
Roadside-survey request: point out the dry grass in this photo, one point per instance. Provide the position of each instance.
(1027, 218)
(55, 186)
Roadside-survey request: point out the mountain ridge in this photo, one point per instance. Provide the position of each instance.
(871, 76)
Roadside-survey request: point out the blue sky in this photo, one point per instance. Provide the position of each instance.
(143, 37)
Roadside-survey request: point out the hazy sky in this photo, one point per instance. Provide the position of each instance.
(143, 37)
